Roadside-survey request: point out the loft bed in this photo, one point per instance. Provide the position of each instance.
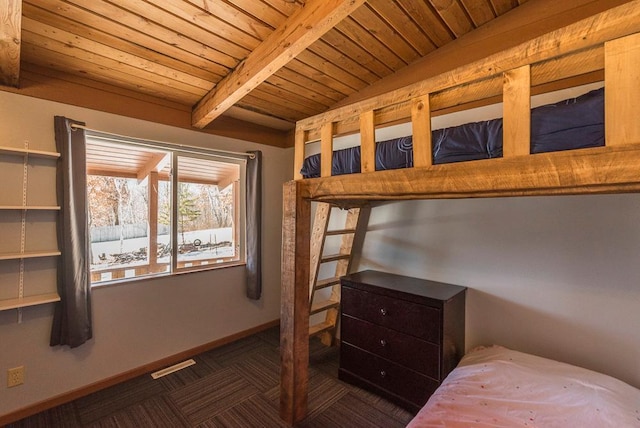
(604, 47)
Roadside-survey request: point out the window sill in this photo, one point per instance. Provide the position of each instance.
(182, 271)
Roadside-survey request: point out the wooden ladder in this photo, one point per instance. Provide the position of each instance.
(351, 233)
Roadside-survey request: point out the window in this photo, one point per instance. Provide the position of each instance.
(155, 209)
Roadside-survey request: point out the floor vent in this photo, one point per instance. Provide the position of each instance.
(172, 369)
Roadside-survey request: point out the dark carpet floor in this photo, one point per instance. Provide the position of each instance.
(236, 385)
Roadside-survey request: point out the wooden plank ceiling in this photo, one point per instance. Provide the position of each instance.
(269, 62)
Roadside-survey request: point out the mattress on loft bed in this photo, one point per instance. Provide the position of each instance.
(569, 124)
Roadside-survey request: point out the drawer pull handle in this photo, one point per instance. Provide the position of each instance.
(383, 373)
(383, 342)
(383, 312)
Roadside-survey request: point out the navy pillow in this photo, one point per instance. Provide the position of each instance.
(570, 124)
(471, 141)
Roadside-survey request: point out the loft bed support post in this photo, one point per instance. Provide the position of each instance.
(326, 149)
(367, 141)
(294, 315)
(300, 140)
(421, 130)
(517, 112)
(622, 82)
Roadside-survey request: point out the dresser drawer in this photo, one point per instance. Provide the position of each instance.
(407, 317)
(386, 375)
(409, 351)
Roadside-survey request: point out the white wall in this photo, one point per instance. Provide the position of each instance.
(139, 322)
(554, 276)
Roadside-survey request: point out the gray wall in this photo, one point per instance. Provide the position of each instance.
(140, 322)
(555, 276)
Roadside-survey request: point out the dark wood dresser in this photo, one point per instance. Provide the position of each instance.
(400, 336)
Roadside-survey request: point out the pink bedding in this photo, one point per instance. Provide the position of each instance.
(498, 387)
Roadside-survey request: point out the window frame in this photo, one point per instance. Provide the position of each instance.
(177, 151)
(241, 217)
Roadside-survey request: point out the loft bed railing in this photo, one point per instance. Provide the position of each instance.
(604, 47)
(600, 48)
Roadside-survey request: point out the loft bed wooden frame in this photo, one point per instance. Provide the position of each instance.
(604, 47)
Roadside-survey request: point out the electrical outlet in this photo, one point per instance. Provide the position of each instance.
(15, 376)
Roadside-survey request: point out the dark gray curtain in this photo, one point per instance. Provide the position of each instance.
(254, 226)
(72, 317)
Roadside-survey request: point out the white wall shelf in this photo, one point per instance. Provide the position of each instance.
(28, 255)
(23, 297)
(21, 152)
(23, 302)
(30, 207)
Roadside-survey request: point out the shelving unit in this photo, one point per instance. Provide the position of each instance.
(28, 255)
(30, 208)
(22, 300)
(38, 299)
(29, 152)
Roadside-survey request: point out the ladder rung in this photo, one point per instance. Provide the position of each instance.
(340, 232)
(328, 282)
(334, 257)
(323, 306)
(319, 328)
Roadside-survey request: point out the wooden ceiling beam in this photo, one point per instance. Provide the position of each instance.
(10, 39)
(230, 178)
(156, 163)
(297, 33)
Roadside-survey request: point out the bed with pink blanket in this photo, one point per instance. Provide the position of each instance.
(498, 387)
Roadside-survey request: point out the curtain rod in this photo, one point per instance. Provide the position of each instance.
(163, 144)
